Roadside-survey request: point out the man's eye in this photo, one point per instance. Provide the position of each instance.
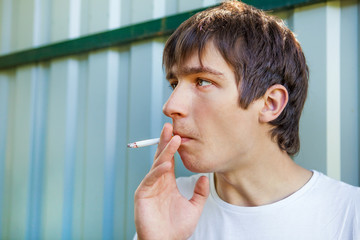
(173, 85)
(202, 82)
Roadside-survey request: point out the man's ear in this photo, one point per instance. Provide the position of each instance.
(275, 100)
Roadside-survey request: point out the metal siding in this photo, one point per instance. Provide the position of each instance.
(65, 171)
(55, 150)
(72, 97)
(37, 148)
(139, 162)
(5, 196)
(21, 154)
(350, 166)
(120, 168)
(76, 228)
(309, 25)
(4, 126)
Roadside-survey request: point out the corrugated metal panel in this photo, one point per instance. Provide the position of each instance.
(65, 171)
(161, 26)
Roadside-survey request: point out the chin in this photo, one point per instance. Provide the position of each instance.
(196, 164)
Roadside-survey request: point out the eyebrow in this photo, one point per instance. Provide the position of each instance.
(185, 71)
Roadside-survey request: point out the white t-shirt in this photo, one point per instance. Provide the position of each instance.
(323, 209)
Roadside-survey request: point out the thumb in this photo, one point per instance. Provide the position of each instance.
(201, 192)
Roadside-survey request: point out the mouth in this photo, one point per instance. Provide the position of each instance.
(184, 138)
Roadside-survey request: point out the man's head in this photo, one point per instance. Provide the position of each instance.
(262, 52)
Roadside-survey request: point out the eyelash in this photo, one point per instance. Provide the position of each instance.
(172, 86)
(202, 80)
(198, 83)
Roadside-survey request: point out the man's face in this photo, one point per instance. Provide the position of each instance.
(217, 135)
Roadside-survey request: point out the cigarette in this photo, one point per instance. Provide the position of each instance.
(144, 143)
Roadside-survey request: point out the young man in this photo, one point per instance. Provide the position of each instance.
(240, 82)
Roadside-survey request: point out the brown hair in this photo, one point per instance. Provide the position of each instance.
(262, 51)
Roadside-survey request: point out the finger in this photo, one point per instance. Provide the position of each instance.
(165, 138)
(152, 177)
(169, 151)
(201, 192)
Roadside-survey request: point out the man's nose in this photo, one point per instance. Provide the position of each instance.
(177, 105)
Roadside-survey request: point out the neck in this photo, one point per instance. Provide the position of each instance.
(265, 179)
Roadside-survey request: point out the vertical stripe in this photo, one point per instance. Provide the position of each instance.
(157, 81)
(71, 123)
(53, 201)
(36, 168)
(158, 8)
(70, 146)
(95, 147)
(350, 161)
(122, 137)
(139, 124)
(4, 96)
(333, 135)
(309, 25)
(110, 142)
(111, 125)
(111, 129)
(24, 26)
(74, 18)
(8, 155)
(79, 165)
(37, 23)
(6, 16)
(20, 156)
(37, 133)
(114, 14)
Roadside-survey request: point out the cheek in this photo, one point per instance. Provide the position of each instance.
(216, 119)
(233, 130)
(226, 118)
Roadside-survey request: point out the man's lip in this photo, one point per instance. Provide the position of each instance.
(184, 138)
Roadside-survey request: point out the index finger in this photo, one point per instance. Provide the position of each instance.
(165, 137)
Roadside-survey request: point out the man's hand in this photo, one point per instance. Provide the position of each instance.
(161, 212)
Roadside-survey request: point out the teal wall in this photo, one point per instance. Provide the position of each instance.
(329, 34)
(65, 171)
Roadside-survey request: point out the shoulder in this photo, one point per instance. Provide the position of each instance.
(337, 186)
(186, 185)
(337, 191)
